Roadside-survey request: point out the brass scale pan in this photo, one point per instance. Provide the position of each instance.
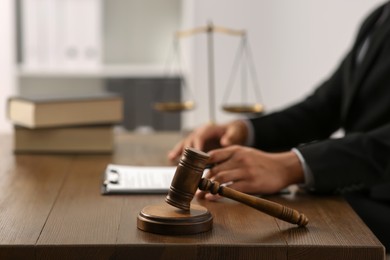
(174, 106)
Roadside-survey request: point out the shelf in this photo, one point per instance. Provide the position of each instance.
(105, 71)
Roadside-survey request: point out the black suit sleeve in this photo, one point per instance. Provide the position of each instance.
(357, 161)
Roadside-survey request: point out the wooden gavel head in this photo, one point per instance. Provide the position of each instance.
(186, 179)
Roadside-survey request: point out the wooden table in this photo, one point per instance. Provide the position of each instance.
(51, 208)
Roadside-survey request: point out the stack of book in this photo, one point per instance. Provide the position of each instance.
(66, 124)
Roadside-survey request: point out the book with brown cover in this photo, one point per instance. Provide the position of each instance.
(64, 140)
(59, 111)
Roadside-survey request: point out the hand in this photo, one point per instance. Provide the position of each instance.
(212, 136)
(253, 171)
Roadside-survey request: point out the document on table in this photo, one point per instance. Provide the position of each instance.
(125, 179)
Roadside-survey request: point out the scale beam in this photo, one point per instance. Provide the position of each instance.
(210, 28)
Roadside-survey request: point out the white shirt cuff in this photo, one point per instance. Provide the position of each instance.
(250, 139)
(308, 175)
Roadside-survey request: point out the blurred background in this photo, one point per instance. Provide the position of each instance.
(89, 46)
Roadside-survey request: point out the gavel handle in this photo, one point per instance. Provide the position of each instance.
(269, 207)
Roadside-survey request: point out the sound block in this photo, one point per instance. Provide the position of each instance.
(168, 220)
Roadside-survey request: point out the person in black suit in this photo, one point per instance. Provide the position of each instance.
(294, 146)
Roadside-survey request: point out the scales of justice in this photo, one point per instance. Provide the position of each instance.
(242, 61)
(177, 215)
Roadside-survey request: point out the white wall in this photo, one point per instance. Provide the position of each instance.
(139, 31)
(7, 59)
(296, 44)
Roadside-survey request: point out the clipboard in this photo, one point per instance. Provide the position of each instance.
(127, 179)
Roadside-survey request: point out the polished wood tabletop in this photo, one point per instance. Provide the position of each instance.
(51, 208)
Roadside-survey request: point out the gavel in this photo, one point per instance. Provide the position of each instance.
(188, 178)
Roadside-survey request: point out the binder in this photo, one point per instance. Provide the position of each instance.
(64, 34)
